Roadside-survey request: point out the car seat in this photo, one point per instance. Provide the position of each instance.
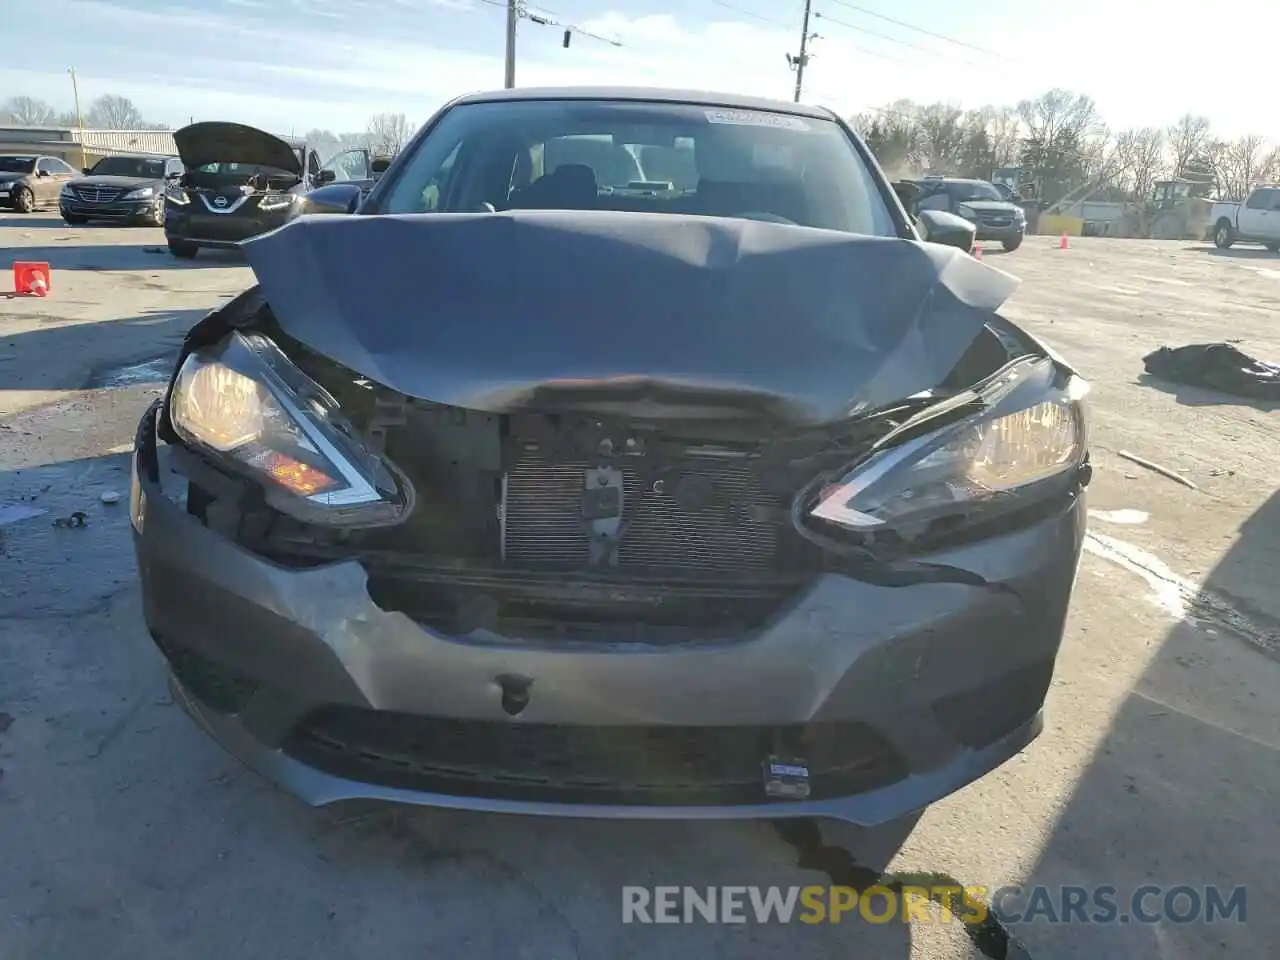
(571, 186)
(730, 183)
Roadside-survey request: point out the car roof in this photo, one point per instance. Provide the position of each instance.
(733, 101)
(140, 156)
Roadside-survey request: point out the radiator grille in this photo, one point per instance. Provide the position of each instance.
(98, 194)
(731, 526)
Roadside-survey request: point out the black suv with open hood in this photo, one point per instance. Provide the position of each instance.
(239, 182)
(122, 187)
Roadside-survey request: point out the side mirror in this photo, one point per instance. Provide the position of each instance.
(87, 171)
(326, 176)
(42, 173)
(378, 165)
(335, 198)
(938, 226)
(173, 175)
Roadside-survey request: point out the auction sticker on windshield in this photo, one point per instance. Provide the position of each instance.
(753, 118)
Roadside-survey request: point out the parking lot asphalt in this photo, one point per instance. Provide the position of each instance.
(127, 833)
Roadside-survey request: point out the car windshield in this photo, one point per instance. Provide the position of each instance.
(129, 167)
(641, 157)
(17, 164)
(973, 190)
(218, 175)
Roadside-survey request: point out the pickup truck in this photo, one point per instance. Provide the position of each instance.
(1257, 220)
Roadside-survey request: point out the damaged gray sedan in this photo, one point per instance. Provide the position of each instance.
(625, 454)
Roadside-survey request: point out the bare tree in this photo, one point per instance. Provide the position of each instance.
(113, 112)
(1065, 142)
(388, 132)
(1188, 138)
(941, 138)
(1139, 156)
(1237, 165)
(1269, 166)
(893, 136)
(29, 112)
(1004, 130)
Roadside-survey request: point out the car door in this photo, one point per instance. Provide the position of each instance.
(1253, 222)
(934, 197)
(1273, 219)
(58, 173)
(351, 166)
(43, 184)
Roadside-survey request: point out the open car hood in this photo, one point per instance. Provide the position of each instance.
(548, 309)
(215, 141)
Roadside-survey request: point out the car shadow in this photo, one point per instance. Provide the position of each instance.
(1181, 787)
(39, 359)
(1235, 253)
(117, 256)
(36, 221)
(1191, 396)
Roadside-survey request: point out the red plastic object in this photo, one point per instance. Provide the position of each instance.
(31, 276)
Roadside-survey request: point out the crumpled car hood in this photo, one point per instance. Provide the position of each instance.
(216, 141)
(524, 309)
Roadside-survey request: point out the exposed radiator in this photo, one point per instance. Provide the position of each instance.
(708, 514)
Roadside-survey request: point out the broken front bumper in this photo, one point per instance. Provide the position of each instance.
(902, 695)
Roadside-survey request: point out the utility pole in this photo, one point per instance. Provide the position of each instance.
(513, 17)
(799, 61)
(75, 91)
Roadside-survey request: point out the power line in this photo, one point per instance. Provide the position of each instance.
(921, 30)
(872, 33)
(752, 14)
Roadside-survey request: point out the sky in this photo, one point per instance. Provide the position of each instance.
(293, 65)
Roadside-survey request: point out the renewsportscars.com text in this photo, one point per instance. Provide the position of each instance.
(969, 905)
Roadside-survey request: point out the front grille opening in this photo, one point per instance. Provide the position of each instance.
(218, 687)
(729, 523)
(672, 765)
(984, 714)
(573, 609)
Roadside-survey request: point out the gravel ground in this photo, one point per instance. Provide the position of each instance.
(128, 834)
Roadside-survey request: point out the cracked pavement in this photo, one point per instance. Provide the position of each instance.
(127, 833)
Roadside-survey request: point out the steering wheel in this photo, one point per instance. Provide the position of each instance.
(766, 217)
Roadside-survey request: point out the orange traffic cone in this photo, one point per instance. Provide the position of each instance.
(1063, 243)
(977, 251)
(31, 277)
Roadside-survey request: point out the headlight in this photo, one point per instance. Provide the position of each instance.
(175, 194)
(247, 406)
(966, 211)
(1019, 213)
(1005, 454)
(142, 193)
(67, 191)
(275, 201)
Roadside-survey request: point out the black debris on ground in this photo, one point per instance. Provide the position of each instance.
(1216, 366)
